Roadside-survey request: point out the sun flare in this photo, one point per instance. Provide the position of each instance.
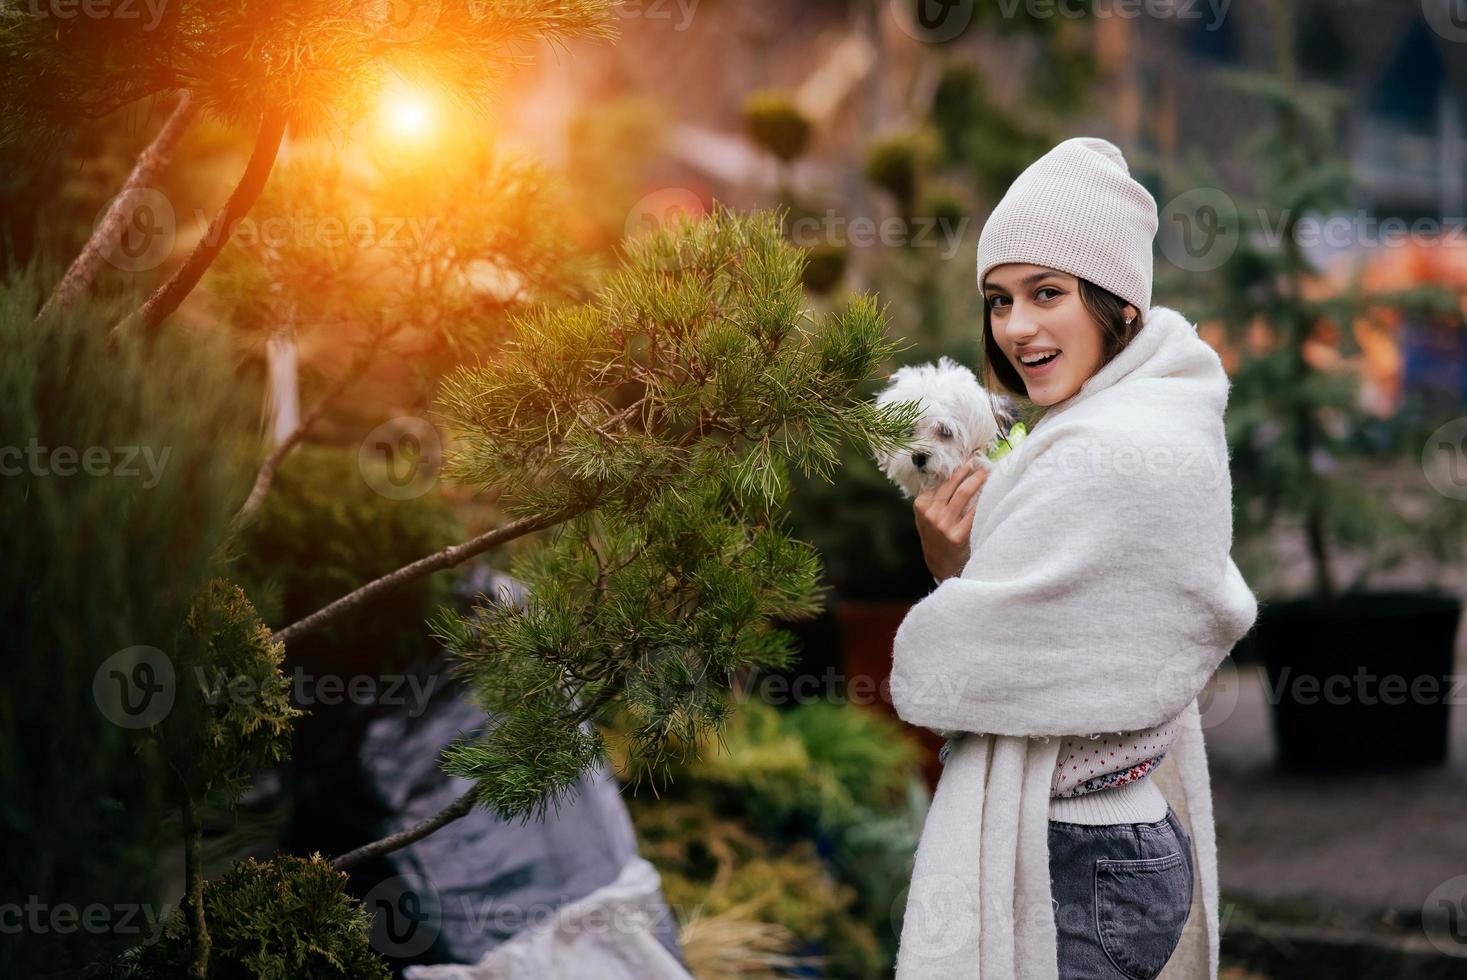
(408, 113)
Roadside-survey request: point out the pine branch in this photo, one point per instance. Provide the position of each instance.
(150, 164)
(167, 297)
(266, 475)
(456, 810)
(447, 558)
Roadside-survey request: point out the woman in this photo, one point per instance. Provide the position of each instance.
(1084, 600)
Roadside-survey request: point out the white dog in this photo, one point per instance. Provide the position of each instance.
(960, 420)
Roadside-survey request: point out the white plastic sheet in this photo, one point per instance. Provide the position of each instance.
(607, 935)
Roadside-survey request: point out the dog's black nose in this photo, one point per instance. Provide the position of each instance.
(919, 460)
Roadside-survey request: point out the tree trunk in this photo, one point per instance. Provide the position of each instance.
(193, 894)
(150, 163)
(167, 297)
(1315, 531)
(283, 394)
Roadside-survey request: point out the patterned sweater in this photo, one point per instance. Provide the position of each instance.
(1103, 761)
(1118, 763)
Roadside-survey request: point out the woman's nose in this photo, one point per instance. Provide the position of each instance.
(1019, 326)
(1020, 334)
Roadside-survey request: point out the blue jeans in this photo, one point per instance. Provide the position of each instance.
(1122, 893)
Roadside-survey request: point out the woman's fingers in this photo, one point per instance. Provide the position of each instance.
(937, 495)
(949, 488)
(943, 523)
(969, 486)
(965, 526)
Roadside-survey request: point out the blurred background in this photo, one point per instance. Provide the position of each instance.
(1309, 159)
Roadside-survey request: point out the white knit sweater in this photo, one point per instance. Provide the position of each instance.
(1099, 596)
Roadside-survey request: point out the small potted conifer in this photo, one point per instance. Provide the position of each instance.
(1356, 678)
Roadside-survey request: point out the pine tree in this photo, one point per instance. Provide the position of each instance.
(653, 431)
(312, 66)
(1292, 426)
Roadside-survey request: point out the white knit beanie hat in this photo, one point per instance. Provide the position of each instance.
(1077, 209)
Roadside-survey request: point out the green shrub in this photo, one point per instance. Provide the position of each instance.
(750, 806)
(995, 145)
(289, 918)
(825, 265)
(942, 201)
(102, 555)
(895, 163)
(233, 714)
(772, 120)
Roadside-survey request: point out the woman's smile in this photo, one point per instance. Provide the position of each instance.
(1038, 369)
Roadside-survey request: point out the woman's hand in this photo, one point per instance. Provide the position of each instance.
(944, 519)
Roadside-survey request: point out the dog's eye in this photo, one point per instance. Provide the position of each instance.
(911, 431)
(944, 431)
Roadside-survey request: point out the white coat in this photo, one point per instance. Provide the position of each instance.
(1099, 596)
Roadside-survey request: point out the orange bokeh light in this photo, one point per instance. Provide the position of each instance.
(408, 113)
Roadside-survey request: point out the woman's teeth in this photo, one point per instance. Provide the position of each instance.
(1041, 363)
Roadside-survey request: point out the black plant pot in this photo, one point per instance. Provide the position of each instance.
(1364, 683)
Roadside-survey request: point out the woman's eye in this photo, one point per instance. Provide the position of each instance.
(995, 302)
(1047, 289)
(944, 431)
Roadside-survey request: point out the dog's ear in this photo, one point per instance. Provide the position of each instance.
(895, 379)
(947, 364)
(1005, 410)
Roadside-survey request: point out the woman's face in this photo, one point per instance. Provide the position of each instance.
(1037, 310)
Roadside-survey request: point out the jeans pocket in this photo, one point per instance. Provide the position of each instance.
(1141, 907)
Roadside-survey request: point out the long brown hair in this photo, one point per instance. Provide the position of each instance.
(1104, 307)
